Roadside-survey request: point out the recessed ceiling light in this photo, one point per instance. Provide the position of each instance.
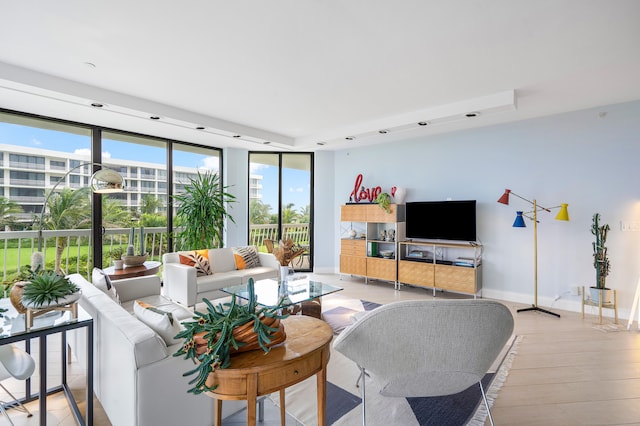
(350, 138)
(383, 132)
(237, 136)
(154, 117)
(423, 123)
(266, 142)
(472, 114)
(97, 104)
(321, 143)
(199, 128)
(89, 64)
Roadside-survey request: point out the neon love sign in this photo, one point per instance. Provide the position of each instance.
(360, 193)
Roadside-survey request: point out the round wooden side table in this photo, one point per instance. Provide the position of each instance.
(254, 373)
(150, 267)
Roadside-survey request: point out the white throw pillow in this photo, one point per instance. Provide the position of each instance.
(103, 283)
(160, 321)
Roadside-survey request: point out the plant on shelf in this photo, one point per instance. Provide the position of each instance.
(213, 336)
(46, 288)
(201, 212)
(384, 201)
(600, 259)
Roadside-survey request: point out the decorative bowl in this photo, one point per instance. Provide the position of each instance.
(386, 253)
(135, 260)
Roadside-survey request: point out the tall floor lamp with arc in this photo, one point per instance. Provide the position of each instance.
(103, 181)
(519, 222)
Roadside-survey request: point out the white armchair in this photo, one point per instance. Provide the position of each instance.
(428, 347)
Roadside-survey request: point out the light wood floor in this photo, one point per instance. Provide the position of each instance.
(568, 371)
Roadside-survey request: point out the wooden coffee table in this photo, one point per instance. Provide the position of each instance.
(150, 267)
(251, 374)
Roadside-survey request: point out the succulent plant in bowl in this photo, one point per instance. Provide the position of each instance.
(47, 288)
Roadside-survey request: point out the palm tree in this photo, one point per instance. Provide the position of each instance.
(289, 215)
(113, 214)
(150, 204)
(259, 212)
(7, 207)
(67, 209)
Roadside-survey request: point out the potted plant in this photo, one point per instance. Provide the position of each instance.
(384, 201)
(47, 288)
(116, 256)
(213, 336)
(285, 252)
(600, 261)
(202, 210)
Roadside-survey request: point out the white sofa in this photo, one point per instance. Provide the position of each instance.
(137, 379)
(182, 284)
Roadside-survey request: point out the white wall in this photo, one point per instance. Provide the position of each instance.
(580, 158)
(236, 174)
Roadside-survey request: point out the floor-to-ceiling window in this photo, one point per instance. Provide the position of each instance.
(38, 153)
(281, 201)
(142, 208)
(37, 156)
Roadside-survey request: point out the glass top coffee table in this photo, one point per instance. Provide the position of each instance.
(297, 290)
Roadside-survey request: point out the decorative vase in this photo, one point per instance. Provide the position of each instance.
(353, 233)
(15, 296)
(597, 293)
(399, 195)
(284, 273)
(118, 264)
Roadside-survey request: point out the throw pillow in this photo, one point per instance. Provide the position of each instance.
(199, 259)
(160, 321)
(103, 283)
(246, 257)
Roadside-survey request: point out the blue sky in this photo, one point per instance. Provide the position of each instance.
(296, 183)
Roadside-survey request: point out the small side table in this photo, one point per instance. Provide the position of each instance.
(149, 267)
(600, 305)
(252, 374)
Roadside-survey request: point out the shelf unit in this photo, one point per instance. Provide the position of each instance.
(361, 255)
(449, 266)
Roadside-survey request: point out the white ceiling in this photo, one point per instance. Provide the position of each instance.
(299, 72)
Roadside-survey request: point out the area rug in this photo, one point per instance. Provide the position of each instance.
(343, 397)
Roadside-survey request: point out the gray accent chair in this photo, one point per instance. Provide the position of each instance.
(424, 348)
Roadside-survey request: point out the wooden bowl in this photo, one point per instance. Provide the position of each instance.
(135, 260)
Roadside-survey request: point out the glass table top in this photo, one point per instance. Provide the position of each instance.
(297, 289)
(12, 323)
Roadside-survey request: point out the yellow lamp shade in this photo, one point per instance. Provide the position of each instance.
(563, 214)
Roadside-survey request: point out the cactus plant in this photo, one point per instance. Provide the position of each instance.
(211, 337)
(600, 259)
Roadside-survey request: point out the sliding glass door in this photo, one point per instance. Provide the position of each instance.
(281, 202)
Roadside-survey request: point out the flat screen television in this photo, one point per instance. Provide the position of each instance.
(441, 220)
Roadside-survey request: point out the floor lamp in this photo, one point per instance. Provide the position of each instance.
(103, 181)
(563, 214)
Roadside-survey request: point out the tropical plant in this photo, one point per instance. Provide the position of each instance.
(289, 214)
(116, 253)
(259, 212)
(600, 259)
(384, 201)
(113, 215)
(202, 211)
(7, 208)
(68, 209)
(47, 287)
(213, 336)
(150, 204)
